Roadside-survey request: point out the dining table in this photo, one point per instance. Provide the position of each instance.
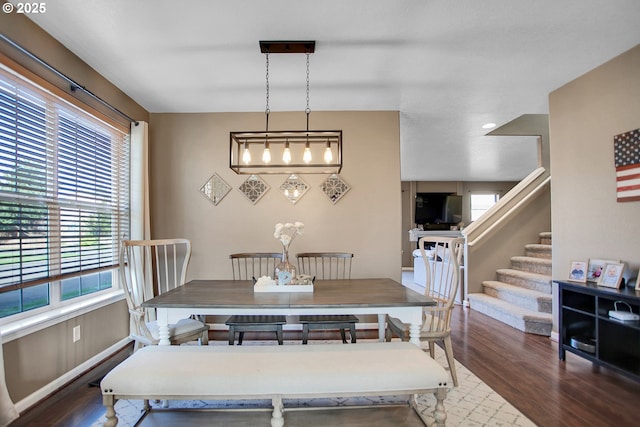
(379, 296)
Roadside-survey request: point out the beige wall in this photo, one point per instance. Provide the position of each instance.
(186, 149)
(585, 114)
(37, 359)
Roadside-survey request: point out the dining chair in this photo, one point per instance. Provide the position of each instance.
(442, 257)
(249, 266)
(149, 268)
(326, 266)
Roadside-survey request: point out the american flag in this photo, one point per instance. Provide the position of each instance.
(626, 147)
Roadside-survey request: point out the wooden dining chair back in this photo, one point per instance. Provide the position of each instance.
(246, 266)
(249, 266)
(442, 257)
(149, 268)
(327, 266)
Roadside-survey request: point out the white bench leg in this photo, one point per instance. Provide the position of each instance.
(112, 419)
(277, 419)
(440, 414)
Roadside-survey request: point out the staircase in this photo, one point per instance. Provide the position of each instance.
(521, 295)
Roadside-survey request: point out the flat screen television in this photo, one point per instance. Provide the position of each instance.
(438, 208)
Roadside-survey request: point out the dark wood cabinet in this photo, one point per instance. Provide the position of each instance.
(586, 329)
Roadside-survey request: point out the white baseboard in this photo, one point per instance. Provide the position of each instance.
(54, 385)
(555, 336)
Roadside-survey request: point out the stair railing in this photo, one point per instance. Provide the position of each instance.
(507, 206)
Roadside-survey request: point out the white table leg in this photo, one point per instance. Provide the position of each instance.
(163, 326)
(415, 325)
(414, 333)
(411, 316)
(382, 325)
(277, 419)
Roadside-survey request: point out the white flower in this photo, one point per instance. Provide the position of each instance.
(278, 231)
(287, 232)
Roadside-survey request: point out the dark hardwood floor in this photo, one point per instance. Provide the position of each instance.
(526, 371)
(523, 368)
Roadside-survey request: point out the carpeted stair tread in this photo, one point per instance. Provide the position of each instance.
(522, 297)
(525, 279)
(545, 237)
(538, 250)
(532, 264)
(517, 317)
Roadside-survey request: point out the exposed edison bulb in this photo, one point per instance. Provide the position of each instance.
(266, 154)
(296, 193)
(328, 155)
(246, 155)
(286, 154)
(306, 156)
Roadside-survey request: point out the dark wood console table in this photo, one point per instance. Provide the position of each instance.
(584, 319)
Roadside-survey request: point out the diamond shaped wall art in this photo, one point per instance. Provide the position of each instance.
(254, 188)
(334, 188)
(215, 189)
(293, 188)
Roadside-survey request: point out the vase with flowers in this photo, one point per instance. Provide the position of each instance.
(285, 271)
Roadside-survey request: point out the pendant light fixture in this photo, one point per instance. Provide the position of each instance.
(286, 152)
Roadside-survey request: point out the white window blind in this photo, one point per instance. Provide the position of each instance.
(64, 196)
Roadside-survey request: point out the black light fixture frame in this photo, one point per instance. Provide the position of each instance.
(295, 139)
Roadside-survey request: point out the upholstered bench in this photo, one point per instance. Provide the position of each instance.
(275, 372)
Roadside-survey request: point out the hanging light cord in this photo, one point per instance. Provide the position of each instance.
(267, 111)
(307, 110)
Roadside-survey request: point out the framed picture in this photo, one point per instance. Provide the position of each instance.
(578, 271)
(596, 267)
(612, 275)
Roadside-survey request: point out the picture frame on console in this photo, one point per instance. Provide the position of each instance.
(596, 267)
(578, 271)
(612, 275)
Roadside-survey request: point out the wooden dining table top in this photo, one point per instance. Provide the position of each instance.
(375, 292)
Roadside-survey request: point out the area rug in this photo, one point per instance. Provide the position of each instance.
(471, 404)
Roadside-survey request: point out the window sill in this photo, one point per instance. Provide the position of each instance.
(23, 327)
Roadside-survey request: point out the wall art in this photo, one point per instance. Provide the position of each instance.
(254, 188)
(215, 189)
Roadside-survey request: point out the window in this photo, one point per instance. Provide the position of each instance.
(480, 203)
(64, 192)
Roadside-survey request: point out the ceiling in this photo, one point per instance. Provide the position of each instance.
(448, 67)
